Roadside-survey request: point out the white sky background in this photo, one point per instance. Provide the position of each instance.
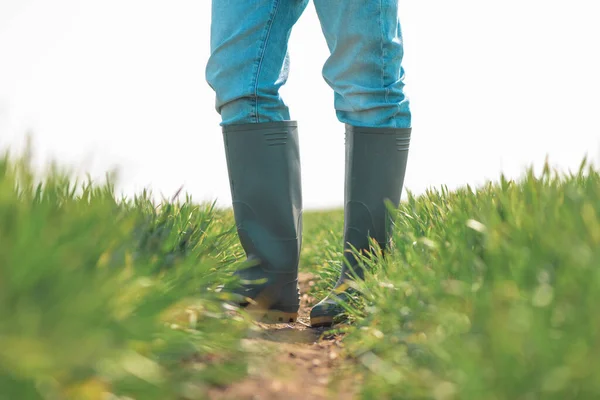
(495, 87)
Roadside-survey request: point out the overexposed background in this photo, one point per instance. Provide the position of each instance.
(495, 86)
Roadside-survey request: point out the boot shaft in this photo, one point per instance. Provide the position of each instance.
(263, 163)
(376, 161)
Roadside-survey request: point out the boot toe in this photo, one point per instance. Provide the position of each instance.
(324, 313)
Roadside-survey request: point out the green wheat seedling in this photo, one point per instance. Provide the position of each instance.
(100, 295)
(487, 294)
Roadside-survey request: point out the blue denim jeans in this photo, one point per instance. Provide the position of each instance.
(249, 60)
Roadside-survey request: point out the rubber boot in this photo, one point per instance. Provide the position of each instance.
(375, 167)
(263, 163)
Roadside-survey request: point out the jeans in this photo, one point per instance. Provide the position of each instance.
(249, 60)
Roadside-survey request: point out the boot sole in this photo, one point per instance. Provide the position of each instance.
(317, 322)
(263, 309)
(272, 316)
(279, 317)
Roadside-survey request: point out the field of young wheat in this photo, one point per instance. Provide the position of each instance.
(486, 293)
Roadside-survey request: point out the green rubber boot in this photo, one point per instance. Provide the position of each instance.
(263, 163)
(375, 167)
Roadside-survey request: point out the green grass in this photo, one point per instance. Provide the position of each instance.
(487, 293)
(322, 247)
(99, 295)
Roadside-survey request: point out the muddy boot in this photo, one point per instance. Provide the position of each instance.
(375, 166)
(263, 163)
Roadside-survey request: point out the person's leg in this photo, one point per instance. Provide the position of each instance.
(365, 71)
(249, 61)
(365, 66)
(247, 67)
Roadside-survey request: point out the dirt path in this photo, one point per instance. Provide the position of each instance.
(292, 361)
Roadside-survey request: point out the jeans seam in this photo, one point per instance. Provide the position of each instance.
(382, 45)
(261, 56)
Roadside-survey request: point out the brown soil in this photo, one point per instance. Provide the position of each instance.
(292, 361)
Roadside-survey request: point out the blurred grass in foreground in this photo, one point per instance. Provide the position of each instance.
(101, 296)
(487, 294)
